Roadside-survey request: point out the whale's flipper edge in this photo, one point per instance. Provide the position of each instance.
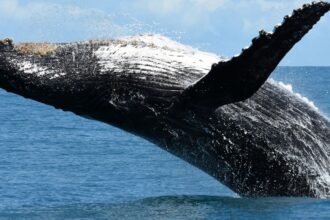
(240, 77)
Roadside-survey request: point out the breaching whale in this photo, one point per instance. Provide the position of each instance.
(220, 115)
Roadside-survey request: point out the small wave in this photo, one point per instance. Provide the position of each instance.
(179, 207)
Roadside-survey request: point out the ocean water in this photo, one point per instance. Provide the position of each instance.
(55, 165)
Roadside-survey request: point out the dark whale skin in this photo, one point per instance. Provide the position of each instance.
(248, 133)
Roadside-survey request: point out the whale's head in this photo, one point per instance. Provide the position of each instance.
(122, 82)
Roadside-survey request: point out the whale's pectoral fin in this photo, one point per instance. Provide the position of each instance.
(239, 78)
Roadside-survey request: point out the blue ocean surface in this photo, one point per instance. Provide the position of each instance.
(56, 165)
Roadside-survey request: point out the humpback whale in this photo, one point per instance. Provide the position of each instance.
(221, 115)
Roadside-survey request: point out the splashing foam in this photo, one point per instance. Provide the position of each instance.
(289, 88)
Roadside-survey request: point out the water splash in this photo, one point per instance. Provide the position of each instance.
(289, 88)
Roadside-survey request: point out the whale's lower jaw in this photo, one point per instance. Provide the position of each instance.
(253, 136)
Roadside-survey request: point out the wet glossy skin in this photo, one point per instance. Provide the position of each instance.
(253, 136)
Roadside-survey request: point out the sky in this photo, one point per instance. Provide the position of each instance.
(223, 27)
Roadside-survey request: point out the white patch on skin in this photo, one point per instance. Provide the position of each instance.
(32, 68)
(154, 54)
(57, 75)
